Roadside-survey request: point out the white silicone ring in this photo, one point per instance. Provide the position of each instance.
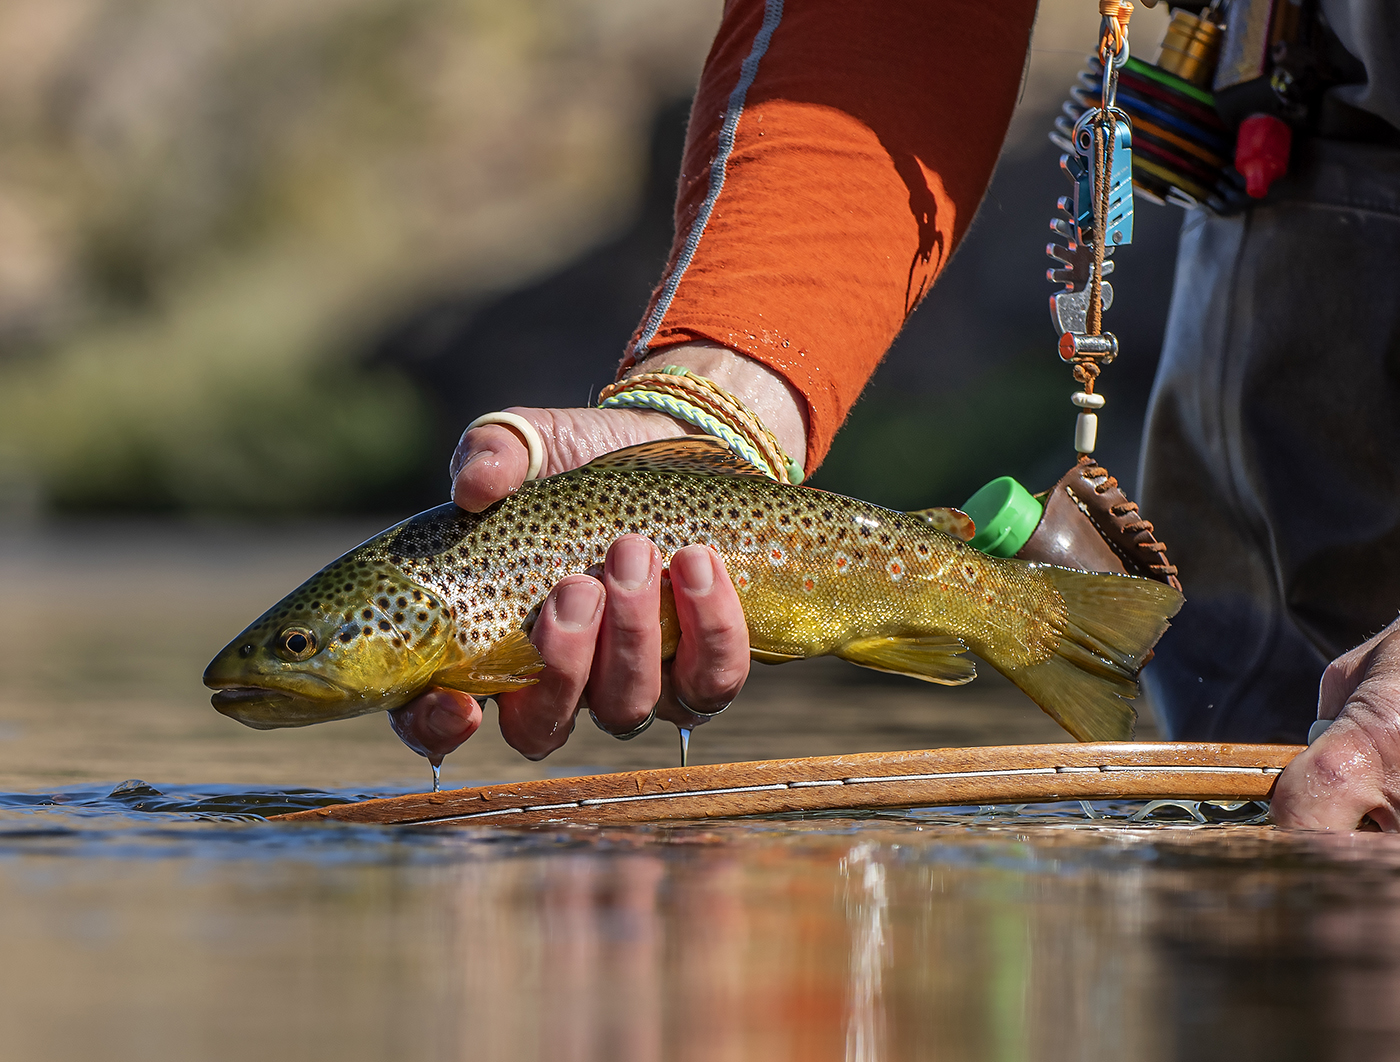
(533, 442)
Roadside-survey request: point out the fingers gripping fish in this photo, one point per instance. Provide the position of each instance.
(447, 598)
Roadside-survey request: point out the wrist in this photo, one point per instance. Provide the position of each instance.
(776, 402)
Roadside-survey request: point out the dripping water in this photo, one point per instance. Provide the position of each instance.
(685, 744)
(436, 761)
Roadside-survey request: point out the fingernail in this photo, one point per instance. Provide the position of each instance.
(630, 563)
(695, 567)
(575, 604)
(443, 722)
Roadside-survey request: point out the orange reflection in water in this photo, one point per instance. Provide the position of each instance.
(921, 938)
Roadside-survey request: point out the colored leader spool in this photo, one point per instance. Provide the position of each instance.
(1181, 149)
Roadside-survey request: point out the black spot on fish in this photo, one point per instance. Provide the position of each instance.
(345, 636)
(383, 602)
(367, 631)
(422, 617)
(398, 617)
(385, 625)
(432, 532)
(367, 613)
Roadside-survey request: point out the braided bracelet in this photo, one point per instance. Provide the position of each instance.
(701, 402)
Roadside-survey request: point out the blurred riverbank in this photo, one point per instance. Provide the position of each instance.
(270, 257)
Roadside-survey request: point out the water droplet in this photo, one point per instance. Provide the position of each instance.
(436, 761)
(685, 744)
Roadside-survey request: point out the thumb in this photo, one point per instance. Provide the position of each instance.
(491, 461)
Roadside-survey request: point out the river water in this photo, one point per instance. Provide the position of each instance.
(148, 912)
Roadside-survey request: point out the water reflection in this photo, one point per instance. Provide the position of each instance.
(933, 935)
(867, 910)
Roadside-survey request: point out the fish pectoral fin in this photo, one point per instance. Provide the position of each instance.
(693, 454)
(509, 664)
(763, 656)
(934, 658)
(950, 521)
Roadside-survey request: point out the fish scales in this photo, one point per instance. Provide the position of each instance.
(444, 598)
(812, 569)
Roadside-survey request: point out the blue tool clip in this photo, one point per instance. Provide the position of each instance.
(1080, 168)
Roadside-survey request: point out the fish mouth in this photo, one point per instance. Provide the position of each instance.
(233, 695)
(267, 709)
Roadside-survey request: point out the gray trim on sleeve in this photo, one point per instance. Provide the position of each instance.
(772, 15)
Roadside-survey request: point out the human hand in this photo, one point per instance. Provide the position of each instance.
(491, 461)
(1349, 778)
(602, 638)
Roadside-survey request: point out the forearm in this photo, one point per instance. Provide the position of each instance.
(835, 157)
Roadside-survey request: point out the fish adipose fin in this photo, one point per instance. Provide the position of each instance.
(509, 664)
(950, 521)
(693, 454)
(1112, 623)
(934, 658)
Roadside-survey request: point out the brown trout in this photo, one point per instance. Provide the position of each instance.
(447, 597)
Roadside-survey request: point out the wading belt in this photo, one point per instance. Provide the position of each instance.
(1008, 774)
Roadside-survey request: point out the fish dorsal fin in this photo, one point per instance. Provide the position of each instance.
(933, 658)
(695, 454)
(950, 521)
(508, 664)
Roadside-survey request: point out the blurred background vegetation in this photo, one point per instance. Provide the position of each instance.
(269, 256)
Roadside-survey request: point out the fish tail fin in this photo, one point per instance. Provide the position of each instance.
(1112, 623)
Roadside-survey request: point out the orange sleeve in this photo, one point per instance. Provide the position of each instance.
(836, 153)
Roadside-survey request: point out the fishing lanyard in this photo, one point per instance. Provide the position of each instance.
(1098, 217)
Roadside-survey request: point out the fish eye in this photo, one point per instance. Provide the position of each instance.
(296, 643)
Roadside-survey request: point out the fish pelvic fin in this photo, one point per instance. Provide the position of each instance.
(509, 664)
(932, 658)
(1112, 622)
(950, 521)
(765, 656)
